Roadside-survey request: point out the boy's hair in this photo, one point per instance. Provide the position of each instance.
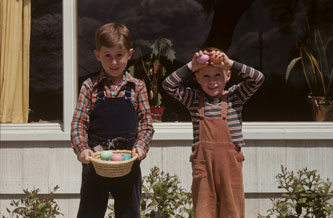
(209, 49)
(113, 34)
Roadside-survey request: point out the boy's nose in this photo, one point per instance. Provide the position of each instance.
(212, 81)
(114, 61)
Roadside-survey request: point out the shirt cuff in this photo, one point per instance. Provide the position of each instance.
(236, 67)
(81, 149)
(142, 145)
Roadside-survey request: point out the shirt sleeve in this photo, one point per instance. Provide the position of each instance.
(173, 86)
(80, 121)
(145, 128)
(252, 80)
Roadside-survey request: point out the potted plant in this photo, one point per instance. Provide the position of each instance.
(158, 54)
(318, 74)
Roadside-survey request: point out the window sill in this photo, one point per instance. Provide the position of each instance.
(180, 131)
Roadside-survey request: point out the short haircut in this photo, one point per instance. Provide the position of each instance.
(111, 35)
(209, 49)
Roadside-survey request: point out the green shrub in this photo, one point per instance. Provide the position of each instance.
(163, 197)
(35, 206)
(305, 194)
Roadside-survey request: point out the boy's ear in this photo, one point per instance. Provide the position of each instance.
(130, 53)
(96, 53)
(228, 75)
(197, 76)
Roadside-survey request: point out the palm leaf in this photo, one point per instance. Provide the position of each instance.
(316, 66)
(305, 68)
(321, 50)
(291, 66)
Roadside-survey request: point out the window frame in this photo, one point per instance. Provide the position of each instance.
(163, 131)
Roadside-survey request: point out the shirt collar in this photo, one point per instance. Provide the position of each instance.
(126, 78)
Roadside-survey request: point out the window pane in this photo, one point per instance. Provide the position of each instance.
(46, 61)
(259, 33)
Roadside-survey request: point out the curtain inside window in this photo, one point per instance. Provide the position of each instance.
(15, 40)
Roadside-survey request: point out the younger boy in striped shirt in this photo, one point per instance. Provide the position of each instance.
(217, 186)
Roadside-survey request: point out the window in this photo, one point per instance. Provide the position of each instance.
(46, 62)
(182, 130)
(259, 33)
(65, 53)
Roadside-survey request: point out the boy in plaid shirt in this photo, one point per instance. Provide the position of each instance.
(112, 109)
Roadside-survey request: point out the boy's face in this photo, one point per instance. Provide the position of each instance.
(212, 80)
(114, 61)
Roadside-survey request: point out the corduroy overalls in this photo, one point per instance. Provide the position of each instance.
(217, 186)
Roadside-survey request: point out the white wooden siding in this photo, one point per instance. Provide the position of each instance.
(43, 165)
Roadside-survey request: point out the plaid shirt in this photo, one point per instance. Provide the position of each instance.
(87, 102)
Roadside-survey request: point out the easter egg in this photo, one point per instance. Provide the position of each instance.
(127, 157)
(105, 155)
(202, 59)
(116, 157)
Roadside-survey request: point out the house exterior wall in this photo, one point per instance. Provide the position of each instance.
(45, 164)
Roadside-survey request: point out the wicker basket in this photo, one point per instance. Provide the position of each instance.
(112, 168)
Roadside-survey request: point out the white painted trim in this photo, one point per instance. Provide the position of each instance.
(288, 130)
(181, 131)
(163, 131)
(70, 73)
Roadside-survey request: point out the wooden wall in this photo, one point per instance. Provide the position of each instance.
(43, 165)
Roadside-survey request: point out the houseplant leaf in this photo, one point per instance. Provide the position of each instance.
(317, 69)
(291, 66)
(170, 54)
(308, 70)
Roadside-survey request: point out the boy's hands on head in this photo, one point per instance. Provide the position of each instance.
(216, 58)
(220, 59)
(138, 150)
(194, 65)
(84, 156)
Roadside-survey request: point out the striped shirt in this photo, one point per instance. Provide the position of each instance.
(237, 95)
(87, 102)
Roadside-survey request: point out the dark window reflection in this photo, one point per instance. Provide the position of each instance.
(46, 61)
(259, 33)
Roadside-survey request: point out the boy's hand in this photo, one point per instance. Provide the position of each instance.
(84, 156)
(194, 65)
(221, 60)
(141, 153)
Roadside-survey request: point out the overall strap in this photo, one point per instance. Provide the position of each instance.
(127, 89)
(224, 106)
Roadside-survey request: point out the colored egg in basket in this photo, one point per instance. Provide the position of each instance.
(106, 155)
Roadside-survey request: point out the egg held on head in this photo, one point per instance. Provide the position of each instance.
(116, 157)
(105, 155)
(202, 59)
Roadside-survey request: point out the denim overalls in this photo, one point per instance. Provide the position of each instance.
(111, 118)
